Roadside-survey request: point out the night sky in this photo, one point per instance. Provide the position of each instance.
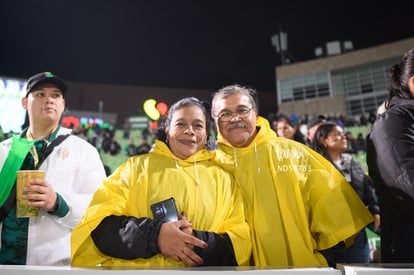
(184, 44)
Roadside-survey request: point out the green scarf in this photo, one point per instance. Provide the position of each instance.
(18, 151)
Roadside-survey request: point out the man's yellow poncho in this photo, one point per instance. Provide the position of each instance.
(296, 202)
(205, 192)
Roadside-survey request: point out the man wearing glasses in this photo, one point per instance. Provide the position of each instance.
(301, 210)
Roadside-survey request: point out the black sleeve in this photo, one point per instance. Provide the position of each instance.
(219, 251)
(370, 199)
(335, 254)
(127, 237)
(364, 186)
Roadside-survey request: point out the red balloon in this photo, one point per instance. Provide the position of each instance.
(70, 121)
(162, 107)
(153, 125)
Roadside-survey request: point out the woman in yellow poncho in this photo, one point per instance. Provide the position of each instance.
(300, 209)
(119, 228)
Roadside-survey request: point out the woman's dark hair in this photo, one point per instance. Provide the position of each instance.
(185, 102)
(398, 78)
(322, 132)
(298, 134)
(287, 119)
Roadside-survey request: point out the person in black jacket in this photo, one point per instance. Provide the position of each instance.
(330, 141)
(390, 159)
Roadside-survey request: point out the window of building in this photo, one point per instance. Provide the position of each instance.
(298, 93)
(366, 88)
(370, 104)
(310, 91)
(304, 87)
(354, 107)
(323, 89)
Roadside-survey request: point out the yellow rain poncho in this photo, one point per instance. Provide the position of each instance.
(296, 202)
(205, 192)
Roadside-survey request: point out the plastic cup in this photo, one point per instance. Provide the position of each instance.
(23, 177)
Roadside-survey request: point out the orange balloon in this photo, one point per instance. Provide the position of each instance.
(162, 107)
(153, 125)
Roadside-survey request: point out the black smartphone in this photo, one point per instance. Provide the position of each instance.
(165, 210)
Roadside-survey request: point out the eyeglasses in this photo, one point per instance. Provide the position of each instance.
(241, 113)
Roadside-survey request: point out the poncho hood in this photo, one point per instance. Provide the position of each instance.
(264, 132)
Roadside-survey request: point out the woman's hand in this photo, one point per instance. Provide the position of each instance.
(186, 229)
(176, 241)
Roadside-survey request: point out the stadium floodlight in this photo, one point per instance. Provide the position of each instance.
(279, 41)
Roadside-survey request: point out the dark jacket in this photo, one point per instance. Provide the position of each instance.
(390, 159)
(364, 187)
